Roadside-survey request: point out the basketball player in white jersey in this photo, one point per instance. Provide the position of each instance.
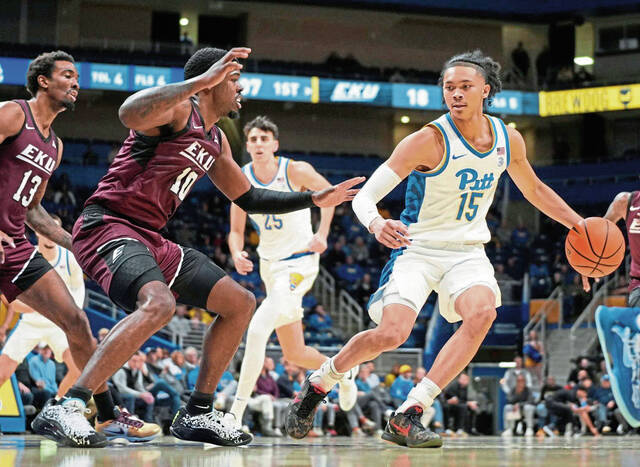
(33, 328)
(289, 260)
(453, 165)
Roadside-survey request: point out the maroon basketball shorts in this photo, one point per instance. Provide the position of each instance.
(122, 257)
(23, 266)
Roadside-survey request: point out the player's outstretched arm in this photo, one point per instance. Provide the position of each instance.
(237, 224)
(228, 177)
(39, 219)
(423, 148)
(618, 208)
(303, 176)
(155, 107)
(533, 189)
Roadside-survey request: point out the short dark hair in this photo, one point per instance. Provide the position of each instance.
(262, 123)
(485, 65)
(201, 61)
(581, 388)
(44, 65)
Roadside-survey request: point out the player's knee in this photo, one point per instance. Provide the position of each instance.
(481, 317)
(160, 307)
(247, 303)
(76, 324)
(391, 338)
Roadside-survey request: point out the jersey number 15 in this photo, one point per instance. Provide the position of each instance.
(468, 204)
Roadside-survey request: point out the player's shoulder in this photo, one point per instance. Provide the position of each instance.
(11, 116)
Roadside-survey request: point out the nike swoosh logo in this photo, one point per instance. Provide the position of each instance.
(29, 127)
(634, 209)
(404, 431)
(115, 430)
(203, 407)
(458, 157)
(196, 127)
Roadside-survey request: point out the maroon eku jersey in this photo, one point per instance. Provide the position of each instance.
(27, 160)
(151, 176)
(633, 232)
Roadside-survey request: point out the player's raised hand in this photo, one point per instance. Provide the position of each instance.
(337, 194)
(4, 238)
(242, 263)
(391, 233)
(227, 64)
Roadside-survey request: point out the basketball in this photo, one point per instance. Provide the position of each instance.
(595, 247)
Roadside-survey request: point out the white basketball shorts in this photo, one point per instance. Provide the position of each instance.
(449, 269)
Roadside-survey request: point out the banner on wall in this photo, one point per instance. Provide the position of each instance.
(588, 100)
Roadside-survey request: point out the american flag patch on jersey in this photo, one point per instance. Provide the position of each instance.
(501, 151)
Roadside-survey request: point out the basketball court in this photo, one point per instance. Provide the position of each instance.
(327, 452)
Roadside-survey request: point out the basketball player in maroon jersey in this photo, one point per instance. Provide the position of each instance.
(626, 205)
(173, 141)
(29, 153)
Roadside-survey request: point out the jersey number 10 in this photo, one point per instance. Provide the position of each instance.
(184, 182)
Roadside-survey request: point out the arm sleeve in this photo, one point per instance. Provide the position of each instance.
(377, 187)
(261, 201)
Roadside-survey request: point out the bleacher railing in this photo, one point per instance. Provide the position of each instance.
(324, 289)
(587, 317)
(350, 314)
(538, 322)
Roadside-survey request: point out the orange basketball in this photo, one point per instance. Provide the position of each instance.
(595, 247)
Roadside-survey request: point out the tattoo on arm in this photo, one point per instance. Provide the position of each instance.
(40, 221)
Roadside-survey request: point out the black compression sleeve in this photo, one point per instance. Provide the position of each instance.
(260, 201)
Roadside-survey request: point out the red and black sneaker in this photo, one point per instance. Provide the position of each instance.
(300, 412)
(406, 429)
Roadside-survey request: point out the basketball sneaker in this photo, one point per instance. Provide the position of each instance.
(299, 418)
(347, 389)
(406, 429)
(65, 423)
(129, 427)
(210, 428)
(619, 335)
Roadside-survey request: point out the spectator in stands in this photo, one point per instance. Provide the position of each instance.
(566, 405)
(515, 267)
(520, 404)
(460, 410)
(508, 381)
(533, 351)
(521, 61)
(582, 364)
(360, 250)
(190, 358)
(25, 382)
(392, 375)
(373, 380)
(350, 272)
(43, 373)
(402, 385)
(225, 390)
(156, 383)
(130, 384)
(180, 323)
(363, 291)
(606, 407)
(286, 379)
(335, 257)
(520, 236)
(320, 320)
(370, 403)
(266, 385)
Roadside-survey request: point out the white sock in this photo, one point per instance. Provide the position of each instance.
(326, 376)
(422, 394)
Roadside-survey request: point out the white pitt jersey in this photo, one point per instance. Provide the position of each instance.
(281, 235)
(69, 270)
(450, 202)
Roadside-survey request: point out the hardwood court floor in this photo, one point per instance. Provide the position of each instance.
(29, 450)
